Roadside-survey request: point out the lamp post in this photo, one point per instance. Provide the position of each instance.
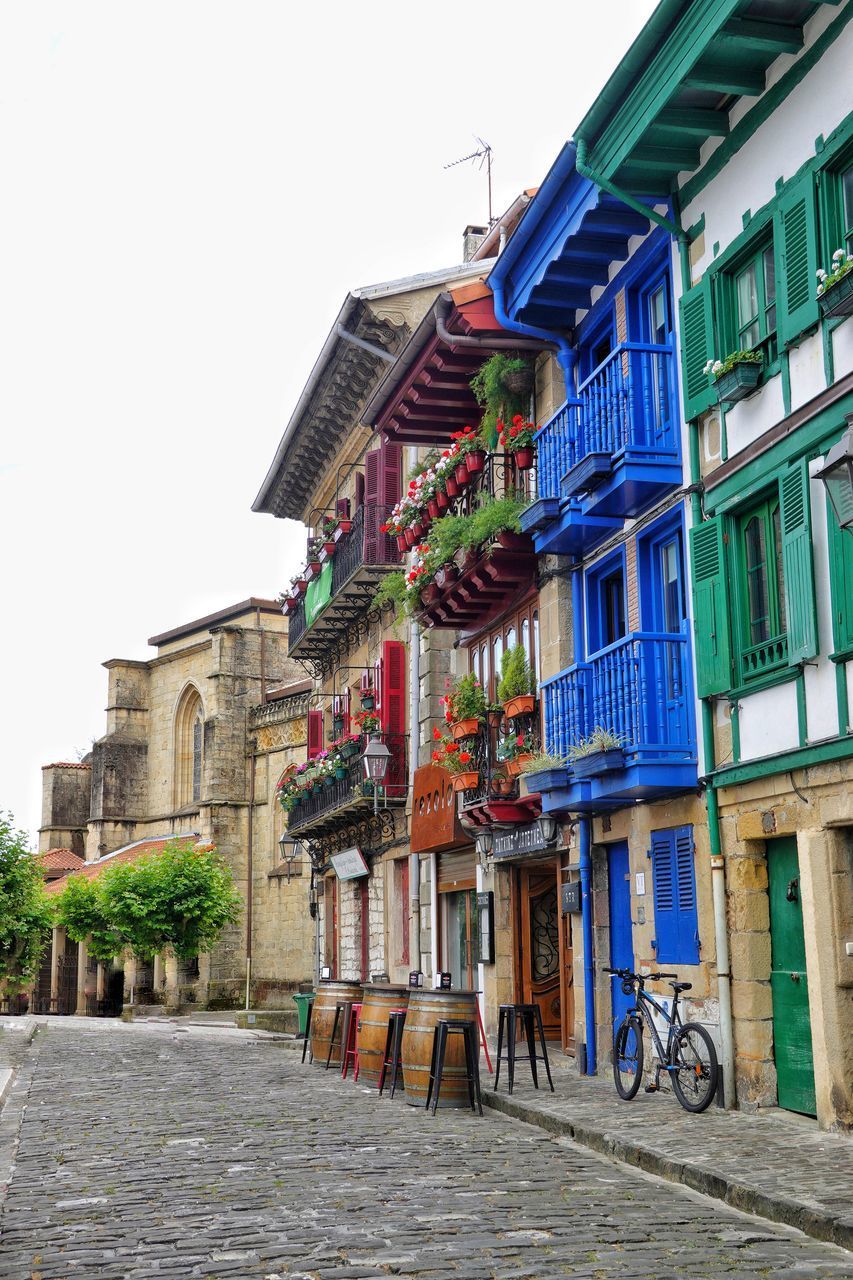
(837, 476)
(291, 849)
(376, 756)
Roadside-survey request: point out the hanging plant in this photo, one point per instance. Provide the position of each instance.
(502, 387)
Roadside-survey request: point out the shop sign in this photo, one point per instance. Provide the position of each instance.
(349, 864)
(519, 841)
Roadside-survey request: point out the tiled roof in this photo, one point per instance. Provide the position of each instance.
(59, 860)
(67, 764)
(129, 853)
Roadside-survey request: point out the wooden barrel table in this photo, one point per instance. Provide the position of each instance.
(426, 1009)
(323, 1016)
(376, 1003)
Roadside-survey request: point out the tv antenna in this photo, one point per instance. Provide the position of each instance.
(484, 155)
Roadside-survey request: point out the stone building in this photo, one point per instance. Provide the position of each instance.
(197, 738)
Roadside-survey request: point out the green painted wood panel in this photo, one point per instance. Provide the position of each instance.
(792, 1034)
(797, 563)
(796, 252)
(711, 609)
(697, 347)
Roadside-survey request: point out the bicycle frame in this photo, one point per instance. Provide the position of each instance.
(672, 1019)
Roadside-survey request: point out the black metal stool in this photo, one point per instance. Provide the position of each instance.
(343, 1010)
(307, 1041)
(393, 1054)
(468, 1030)
(531, 1018)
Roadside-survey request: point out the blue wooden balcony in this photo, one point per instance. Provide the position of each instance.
(640, 688)
(609, 453)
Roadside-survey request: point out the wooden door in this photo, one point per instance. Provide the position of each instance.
(567, 973)
(540, 945)
(330, 924)
(792, 1033)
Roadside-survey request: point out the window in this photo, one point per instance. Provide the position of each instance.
(755, 303)
(674, 886)
(763, 624)
(847, 210)
(188, 748)
(485, 653)
(658, 316)
(606, 608)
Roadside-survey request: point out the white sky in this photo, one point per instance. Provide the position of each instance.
(189, 189)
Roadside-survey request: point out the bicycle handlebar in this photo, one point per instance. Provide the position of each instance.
(638, 977)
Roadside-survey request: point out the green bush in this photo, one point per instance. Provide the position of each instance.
(516, 675)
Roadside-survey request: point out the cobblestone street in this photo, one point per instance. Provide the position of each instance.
(149, 1151)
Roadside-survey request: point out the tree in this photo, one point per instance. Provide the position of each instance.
(25, 914)
(80, 909)
(181, 898)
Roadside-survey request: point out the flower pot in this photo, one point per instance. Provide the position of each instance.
(426, 522)
(598, 762)
(837, 300)
(514, 766)
(505, 786)
(520, 706)
(545, 780)
(738, 383)
(326, 552)
(475, 460)
(523, 458)
(328, 781)
(430, 593)
(343, 529)
(409, 535)
(465, 781)
(512, 541)
(495, 718)
(441, 501)
(451, 487)
(300, 586)
(401, 542)
(313, 570)
(417, 530)
(432, 509)
(462, 475)
(464, 728)
(349, 749)
(368, 701)
(337, 726)
(317, 787)
(518, 382)
(446, 574)
(288, 607)
(340, 774)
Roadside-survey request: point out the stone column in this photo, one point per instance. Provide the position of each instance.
(101, 982)
(173, 998)
(129, 978)
(57, 950)
(159, 974)
(82, 977)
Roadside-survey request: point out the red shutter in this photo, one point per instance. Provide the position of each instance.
(345, 703)
(342, 507)
(315, 733)
(373, 516)
(393, 704)
(392, 488)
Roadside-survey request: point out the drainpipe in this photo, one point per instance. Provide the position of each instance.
(566, 353)
(632, 202)
(249, 876)
(443, 310)
(585, 853)
(414, 906)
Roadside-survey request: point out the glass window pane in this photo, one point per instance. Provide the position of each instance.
(756, 578)
(657, 316)
(511, 637)
(476, 665)
(486, 673)
(847, 202)
(525, 636)
(497, 654)
(747, 296)
(780, 579)
(769, 276)
(536, 667)
(750, 336)
(672, 615)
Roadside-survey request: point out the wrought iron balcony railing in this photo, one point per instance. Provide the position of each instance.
(334, 801)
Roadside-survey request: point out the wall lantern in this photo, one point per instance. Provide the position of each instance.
(376, 756)
(547, 827)
(837, 476)
(291, 850)
(483, 841)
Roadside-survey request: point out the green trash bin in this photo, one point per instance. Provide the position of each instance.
(302, 1000)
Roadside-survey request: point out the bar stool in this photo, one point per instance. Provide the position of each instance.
(306, 1043)
(468, 1030)
(531, 1020)
(350, 1052)
(393, 1053)
(342, 1014)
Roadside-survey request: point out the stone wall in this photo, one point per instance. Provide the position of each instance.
(65, 806)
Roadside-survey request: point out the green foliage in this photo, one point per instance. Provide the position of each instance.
(181, 898)
(516, 674)
(496, 398)
(498, 516)
(393, 591)
(25, 914)
(599, 740)
(466, 699)
(80, 909)
(542, 760)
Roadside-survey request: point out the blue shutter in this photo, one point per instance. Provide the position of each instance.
(674, 886)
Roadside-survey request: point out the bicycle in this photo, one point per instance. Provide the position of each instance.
(689, 1056)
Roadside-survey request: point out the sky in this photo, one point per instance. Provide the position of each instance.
(190, 189)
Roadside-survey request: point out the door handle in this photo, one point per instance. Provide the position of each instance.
(795, 977)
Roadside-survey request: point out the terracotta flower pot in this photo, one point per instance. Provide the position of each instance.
(495, 718)
(401, 542)
(441, 501)
(462, 475)
(512, 541)
(521, 706)
(409, 535)
(426, 523)
(432, 509)
(452, 488)
(475, 460)
(446, 574)
(343, 528)
(417, 530)
(524, 458)
(514, 766)
(465, 728)
(430, 593)
(465, 781)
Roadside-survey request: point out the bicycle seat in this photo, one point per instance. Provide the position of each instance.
(681, 986)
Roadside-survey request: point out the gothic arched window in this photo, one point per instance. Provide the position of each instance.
(189, 748)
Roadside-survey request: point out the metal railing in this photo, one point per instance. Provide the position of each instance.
(494, 782)
(638, 688)
(627, 402)
(339, 793)
(499, 478)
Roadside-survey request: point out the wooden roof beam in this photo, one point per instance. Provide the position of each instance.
(725, 77)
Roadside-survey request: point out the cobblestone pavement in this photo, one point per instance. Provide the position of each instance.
(153, 1152)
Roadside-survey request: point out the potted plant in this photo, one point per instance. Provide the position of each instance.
(518, 751)
(502, 387)
(337, 726)
(496, 714)
(517, 440)
(517, 685)
(465, 707)
(737, 376)
(835, 287)
(342, 527)
(472, 451)
(368, 699)
(458, 762)
(544, 770)
(601, 752)
(368, 722)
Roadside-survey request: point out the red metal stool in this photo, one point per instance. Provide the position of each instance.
(351, 1050)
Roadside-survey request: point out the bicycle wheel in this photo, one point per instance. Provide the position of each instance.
(628, 1058)
(694, 1081)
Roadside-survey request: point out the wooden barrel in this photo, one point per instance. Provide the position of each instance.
(323, 1017)
(426, 1009)
(376, 1004)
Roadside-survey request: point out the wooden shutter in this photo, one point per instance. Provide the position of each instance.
(342, 507)
(841, 580)
(710, 608)
(315, 733)
(797, 566)
(372, 505)
(674, 890)
(795, 235)
(392, 488)
(697, 347)
(392, 700)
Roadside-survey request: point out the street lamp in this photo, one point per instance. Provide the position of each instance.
(376, 756)
(483, 841)
(837, 475)
(291, 849)
(547, 827)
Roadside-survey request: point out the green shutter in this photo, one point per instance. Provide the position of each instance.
(796, 259)
(841, 583)
(797, 567)
(710, 608)
(697, 347)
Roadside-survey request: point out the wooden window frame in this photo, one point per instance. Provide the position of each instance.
(763, 509)
(526, 611)
(729, 327)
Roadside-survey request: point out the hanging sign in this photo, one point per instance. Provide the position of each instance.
(349, 864)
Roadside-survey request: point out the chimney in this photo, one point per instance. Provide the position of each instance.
(472, 238)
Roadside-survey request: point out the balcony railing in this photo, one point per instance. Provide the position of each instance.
(359, 560)
(495, 783)
(638, 688)
(627, 403)
(336, 800)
